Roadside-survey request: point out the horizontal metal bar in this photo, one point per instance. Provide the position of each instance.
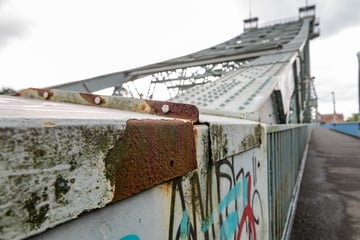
(161, 108)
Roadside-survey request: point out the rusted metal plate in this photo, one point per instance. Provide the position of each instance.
(161, 108)
(149, 153)
(174, 110)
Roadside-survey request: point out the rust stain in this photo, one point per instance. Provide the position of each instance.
(166, 188)
(162, 108)
(93, 99)
(175, 110)
(49, 124)
(142, 107)
(44, 93)
(150, 152)
(35, 93)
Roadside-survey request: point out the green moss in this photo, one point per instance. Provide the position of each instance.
(113, 159)
(103, 137)
(258, 131)
(9, 213)
(36, 215)
(219, 139)
(61, 188)
(39, 153)
(73, 164)
(44, 195)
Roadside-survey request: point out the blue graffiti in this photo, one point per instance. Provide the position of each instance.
(130, 237)
(231, 223)
(229, 226)
(206, 223)
(184, 225)
(232, 195)
(244, 193)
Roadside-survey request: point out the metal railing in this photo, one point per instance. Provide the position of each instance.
(286, 152)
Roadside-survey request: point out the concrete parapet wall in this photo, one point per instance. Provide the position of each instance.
(140, 176)
(52, 169)
(221, 199)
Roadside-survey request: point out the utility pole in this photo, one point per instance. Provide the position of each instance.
(334, 116)
(358, 55)
(249, 9)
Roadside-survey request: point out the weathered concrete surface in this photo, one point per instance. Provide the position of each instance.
(59, 160)
(329, 201)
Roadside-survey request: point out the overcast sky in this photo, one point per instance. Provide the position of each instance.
(43, 43)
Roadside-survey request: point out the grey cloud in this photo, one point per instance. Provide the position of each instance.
(335, 15)
(338, 15)
(10, 27)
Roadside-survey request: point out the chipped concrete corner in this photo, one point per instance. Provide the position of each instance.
(51, 174)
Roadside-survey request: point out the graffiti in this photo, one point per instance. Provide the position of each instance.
(130, 237)
(248, 215)
(184, 226)
(240, 196)
(185, 229)
(229, 209)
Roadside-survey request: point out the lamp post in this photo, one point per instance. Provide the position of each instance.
(358, 55)
(334, 116)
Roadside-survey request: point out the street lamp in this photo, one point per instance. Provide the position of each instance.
(334, 116)
(358, 55)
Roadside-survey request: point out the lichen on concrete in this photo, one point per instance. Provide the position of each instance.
(228, 139)
(219, 139)
(50, 175)
(36, 214)
(61, 188)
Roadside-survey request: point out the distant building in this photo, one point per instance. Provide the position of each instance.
(329, 118)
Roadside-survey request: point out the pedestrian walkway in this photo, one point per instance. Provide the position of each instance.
(329, 201)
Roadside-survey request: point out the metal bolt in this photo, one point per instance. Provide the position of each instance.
(45, 95)
(165, 108)
(97, 100)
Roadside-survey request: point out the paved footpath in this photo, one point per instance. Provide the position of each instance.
(329, 200)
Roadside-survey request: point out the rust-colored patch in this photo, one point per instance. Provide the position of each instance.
(166, 188)
(175, 110)
(49, 124)
(93, 99)
(35, 93)
(162, 108)
(44, 93)
(150, 152)
(142, 107)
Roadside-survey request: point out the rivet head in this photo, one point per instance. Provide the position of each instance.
(45, 95)
(165, 108)
(97, 100)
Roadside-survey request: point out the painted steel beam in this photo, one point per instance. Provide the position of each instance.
(94, 84)
(160, 108)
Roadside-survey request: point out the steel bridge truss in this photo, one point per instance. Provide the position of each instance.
(177, 81)
(272, 62)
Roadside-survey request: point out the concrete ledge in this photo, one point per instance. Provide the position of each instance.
(53, 169)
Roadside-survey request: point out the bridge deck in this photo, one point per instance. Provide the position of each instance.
(329, 200)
